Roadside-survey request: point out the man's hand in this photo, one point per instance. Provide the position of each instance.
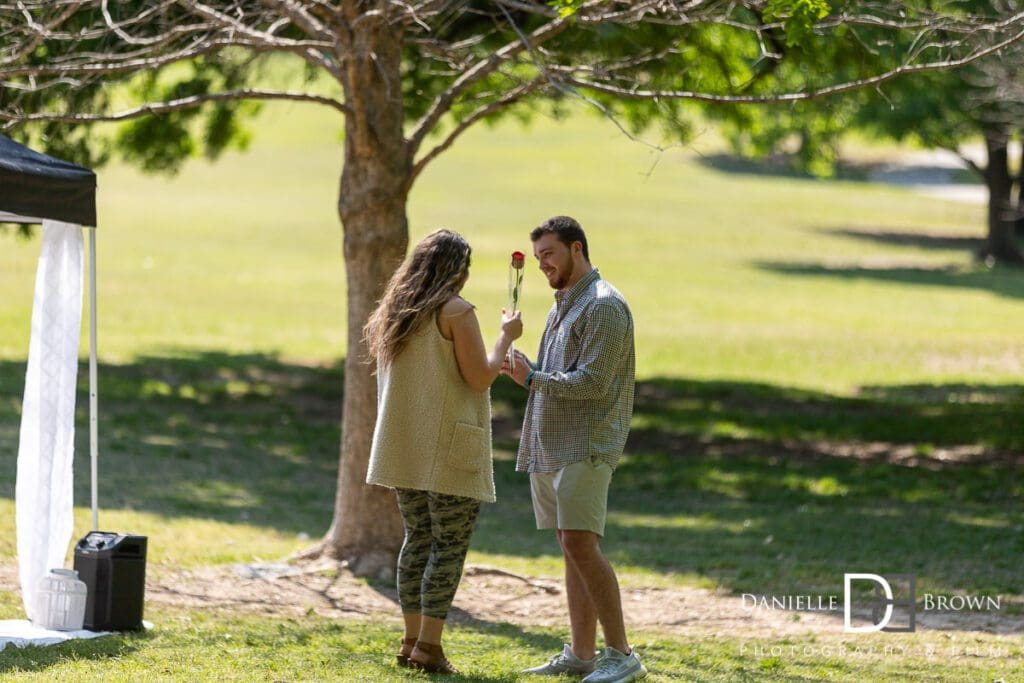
(522, 368)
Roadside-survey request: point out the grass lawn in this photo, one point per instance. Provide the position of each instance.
(198, 646)
(828, 385)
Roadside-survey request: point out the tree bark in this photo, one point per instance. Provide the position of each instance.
(367, 529)
(1019, 222)
(1001, 244)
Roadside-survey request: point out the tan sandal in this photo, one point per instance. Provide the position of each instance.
(435, 662)
(408, 644)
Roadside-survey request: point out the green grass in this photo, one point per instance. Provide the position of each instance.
(827, 385)
(239, 453)
(219, 646)
(747, 488)
(733, 273)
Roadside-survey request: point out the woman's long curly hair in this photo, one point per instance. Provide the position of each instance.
(433, 274)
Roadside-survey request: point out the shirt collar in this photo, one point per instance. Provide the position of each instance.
(569, 297)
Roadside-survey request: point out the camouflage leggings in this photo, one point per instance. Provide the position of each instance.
(437, 531)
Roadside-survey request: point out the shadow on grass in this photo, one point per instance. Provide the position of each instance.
(751, 487)
(532, 639)
(774, 165)
(1004, 281)
(212, 435)
(787, 166)
(759, 488)
(34, 658)
(919, 239)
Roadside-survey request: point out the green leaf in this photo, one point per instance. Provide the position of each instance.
(566, 8)
(798, 16)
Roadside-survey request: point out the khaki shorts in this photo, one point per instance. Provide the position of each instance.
(575, 497)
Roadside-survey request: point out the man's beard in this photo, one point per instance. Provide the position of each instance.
(563, 278)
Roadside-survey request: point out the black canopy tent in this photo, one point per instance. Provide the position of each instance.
(36, 187)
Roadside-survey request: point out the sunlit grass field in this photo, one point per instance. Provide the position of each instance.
(732, 274)
(815, 361)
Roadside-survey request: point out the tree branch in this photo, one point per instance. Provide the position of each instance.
(41, 32)
(156, 108)
(817, 93)
(970, 163)
(118, 64)
(482, 112)
(444, 101)
(305, 20)
(558, 85)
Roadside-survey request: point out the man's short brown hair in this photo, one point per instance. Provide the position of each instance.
(567, 229)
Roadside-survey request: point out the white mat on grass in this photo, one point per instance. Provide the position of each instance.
(21, 633)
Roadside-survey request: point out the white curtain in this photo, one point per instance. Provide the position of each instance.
(43, 496)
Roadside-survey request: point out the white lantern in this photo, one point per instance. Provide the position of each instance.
(60, 601)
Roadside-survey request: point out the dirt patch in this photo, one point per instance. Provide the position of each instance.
(937, 458)
(488, 594)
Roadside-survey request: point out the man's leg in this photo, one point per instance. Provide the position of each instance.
(582, 616)
(599, 586)
(578, 658)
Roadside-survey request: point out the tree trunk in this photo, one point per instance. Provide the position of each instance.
(1020, 186)
(367, 529)
(1001, 243)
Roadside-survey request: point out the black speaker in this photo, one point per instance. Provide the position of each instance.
(113, 568)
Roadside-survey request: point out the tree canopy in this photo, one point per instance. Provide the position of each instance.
(179, 69)
(942, 108)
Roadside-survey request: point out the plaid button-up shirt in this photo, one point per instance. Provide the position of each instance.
(581, 394)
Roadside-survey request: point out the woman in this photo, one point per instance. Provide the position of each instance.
(432, 441)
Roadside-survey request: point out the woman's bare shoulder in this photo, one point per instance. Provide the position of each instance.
(456, 306)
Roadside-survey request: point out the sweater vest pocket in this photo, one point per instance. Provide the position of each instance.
(467, 448)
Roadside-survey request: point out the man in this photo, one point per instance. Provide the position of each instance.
(577, 420)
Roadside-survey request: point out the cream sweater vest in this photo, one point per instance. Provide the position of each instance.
(433, 432)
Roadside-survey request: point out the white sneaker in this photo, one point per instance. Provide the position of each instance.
(615, 667)
(565, 662)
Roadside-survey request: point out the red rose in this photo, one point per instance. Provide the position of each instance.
(518, 259)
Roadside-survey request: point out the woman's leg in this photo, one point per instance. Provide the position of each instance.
(412, 561)
(452, 520)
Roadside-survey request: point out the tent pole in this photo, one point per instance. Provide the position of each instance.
(93, 402)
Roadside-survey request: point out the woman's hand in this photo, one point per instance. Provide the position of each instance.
(477, 367)
(512, 324)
